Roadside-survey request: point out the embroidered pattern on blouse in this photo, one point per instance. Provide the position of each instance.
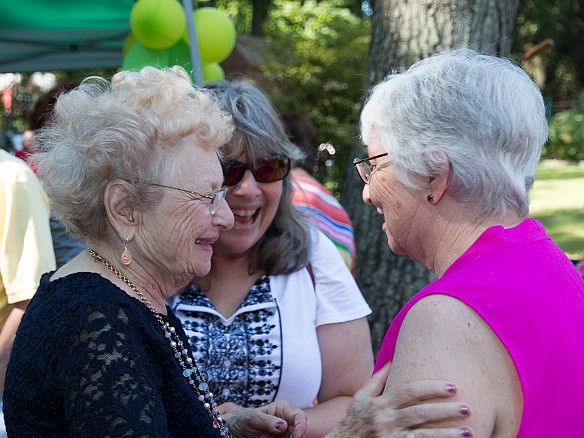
(243, 359)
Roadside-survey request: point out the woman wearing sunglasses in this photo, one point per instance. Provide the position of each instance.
(279, 316)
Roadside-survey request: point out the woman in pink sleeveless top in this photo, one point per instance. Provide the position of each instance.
(453, 144)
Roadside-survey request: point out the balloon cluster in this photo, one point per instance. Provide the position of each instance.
(159, 37)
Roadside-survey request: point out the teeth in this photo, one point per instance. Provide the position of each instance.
(198, 242)
(244, 213)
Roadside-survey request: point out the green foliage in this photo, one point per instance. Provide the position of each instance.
(567, 134)
(560, 68)
(315, 64)
(241, 12)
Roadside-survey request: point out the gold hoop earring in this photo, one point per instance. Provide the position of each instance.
(126, 256)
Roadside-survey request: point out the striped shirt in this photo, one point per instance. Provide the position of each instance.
(327, 214)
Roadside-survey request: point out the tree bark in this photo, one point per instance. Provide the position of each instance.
(403, 32)
(260, 10)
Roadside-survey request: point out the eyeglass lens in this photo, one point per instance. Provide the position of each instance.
(365, 167)
(268, 170)
(216, 202)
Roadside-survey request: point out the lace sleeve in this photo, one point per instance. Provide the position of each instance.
(110, 388)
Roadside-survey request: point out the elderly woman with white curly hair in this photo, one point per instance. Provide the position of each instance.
(453, 145)
(132, 169)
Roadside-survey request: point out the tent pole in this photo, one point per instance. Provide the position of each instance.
(193, 43)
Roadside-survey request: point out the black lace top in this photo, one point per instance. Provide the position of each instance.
(91, 361)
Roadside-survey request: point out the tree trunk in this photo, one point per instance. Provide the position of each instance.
(260, 10)
(403, 32)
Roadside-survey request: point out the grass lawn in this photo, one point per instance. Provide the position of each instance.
(557, 201)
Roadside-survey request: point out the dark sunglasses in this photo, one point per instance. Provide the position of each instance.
(265, 171)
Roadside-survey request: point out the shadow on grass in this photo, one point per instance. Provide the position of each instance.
(559, 173)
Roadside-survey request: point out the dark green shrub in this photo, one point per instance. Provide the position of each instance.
(567, 134)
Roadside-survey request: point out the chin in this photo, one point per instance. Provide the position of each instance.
(395, 248)
(201, 267)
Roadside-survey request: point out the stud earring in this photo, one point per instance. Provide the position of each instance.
(430, 198)
(126, 256)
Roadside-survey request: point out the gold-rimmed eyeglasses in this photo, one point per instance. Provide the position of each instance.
(364, 166)
(215, 197)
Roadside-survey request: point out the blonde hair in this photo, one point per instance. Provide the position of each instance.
(125, 129)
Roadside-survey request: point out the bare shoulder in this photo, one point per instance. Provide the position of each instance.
(443, 338)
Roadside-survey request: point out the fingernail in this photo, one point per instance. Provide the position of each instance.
(451, 388)
(280, 426)
(464, 410)
(465, 431)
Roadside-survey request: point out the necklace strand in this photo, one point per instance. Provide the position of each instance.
(190, 369)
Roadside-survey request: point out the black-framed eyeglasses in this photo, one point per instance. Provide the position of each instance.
(265, 171)
(215, 197)
(365, 168)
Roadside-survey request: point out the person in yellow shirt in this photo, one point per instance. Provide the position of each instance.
(26, 247)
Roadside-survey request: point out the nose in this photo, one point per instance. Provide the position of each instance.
(223, 217)
(366, 196)
(246, 187)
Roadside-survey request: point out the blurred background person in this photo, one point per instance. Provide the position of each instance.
(65, 246)
(133, 168)
(26, 249)
(279, 316)
(453, 145)
(310, 196)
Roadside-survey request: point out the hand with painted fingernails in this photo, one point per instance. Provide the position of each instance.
(400, 413)
(277, 419)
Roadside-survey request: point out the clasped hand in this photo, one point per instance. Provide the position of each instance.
(278, 419)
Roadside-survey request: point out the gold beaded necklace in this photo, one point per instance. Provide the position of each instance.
(191, 370)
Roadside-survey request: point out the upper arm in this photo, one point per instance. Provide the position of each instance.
(27, 250)
(347, 357)
(342, 328)
(443, 338)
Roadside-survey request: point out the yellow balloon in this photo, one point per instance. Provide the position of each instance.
(215, 34)
(213, 72)
(158, 24)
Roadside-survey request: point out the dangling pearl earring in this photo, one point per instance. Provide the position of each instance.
(126, 256)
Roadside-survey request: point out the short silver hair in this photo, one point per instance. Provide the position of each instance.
(482, 113)
(125, 129)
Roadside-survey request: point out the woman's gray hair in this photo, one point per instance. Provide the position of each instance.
(481, 114)
(259, 134)
(127, 129)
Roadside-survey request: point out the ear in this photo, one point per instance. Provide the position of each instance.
(120, 211)
(439, 184)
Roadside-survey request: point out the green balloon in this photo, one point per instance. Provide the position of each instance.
(140, 56)
(213, 72)
(179, 54)
(128, 43)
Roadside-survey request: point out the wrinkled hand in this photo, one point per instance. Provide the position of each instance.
(278, 419)
(373, 414)
(229, 407)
